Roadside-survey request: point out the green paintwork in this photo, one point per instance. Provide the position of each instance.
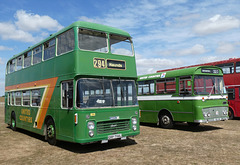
(188, 109)
(72, 66)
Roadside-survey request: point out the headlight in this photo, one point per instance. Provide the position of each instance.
(91, 133)
(134, 127)
(134, 120)
(225, 112)
(206, 114)
(91, 125)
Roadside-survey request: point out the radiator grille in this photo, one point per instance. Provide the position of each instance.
(112, 126)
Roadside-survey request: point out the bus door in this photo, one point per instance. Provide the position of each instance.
(66, 114)
(184, 105)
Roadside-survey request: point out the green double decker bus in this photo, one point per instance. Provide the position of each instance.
(78, 85)
(193, 95)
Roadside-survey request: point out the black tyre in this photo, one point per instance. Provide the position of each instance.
(13, 124)
(230, 114)
(166, 121)
(191, 124)
(51, 132)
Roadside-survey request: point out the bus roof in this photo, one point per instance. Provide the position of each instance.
(180, 72)
(82, 24)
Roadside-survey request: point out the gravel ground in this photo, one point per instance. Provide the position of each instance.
(212, 143)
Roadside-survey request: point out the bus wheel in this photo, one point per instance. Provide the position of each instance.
(51, 132)
(166, 121)
(191, 124)
(230, 114)
(13, 122)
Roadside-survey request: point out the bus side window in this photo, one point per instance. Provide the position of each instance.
(227, 68)
(237, 67)
(9, 98)
(166, 86)
(49, 49)
(65, 42)
(185, 87)
(19, 63)
(36, 97)
(37, 54)
(27, 59)
(12, 66)
(231, 93)
(67, 94)
(146, 87)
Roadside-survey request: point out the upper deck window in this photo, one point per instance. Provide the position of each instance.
(65, 42)
(12, 65)
(121, 45)
(227, 68)
(237, 67)
(92, 40)
(37, 54)
(19, 63)
(49, 49)
(27, 59)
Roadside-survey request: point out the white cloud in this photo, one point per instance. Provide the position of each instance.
(225, 48)
(26, 23)
(10, 31)
(84, 18)
(34, 22)
(211, 59)
(195, 50)
(151, 65)
(5, 48)
(216, 24)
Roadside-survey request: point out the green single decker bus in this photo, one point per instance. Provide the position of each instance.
(193, 95)
(78, 85)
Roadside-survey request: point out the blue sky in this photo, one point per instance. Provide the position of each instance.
(166, 33)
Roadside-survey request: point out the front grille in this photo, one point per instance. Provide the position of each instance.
(112, 126)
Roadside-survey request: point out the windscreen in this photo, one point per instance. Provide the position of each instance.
(121, 45)
(92, 40)
(209, 85)
(105, 93)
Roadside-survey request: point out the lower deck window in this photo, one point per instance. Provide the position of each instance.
(18, 98)
(26, 97)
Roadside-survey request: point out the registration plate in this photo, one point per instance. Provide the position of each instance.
(116, 136)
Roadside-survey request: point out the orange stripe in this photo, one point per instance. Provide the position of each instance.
(49, 88)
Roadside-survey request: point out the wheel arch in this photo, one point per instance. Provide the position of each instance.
(230, 108)
(48, 117)
(165, 111)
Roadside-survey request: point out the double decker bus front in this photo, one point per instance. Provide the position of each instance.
(106, 99)
(213, 105)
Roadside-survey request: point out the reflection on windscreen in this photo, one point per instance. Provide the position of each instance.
(105, 93)
(209, 85)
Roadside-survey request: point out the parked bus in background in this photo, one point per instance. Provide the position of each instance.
(193, 95)
(231, 76)
(78, 85)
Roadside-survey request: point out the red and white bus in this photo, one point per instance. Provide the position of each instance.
(231, 71)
